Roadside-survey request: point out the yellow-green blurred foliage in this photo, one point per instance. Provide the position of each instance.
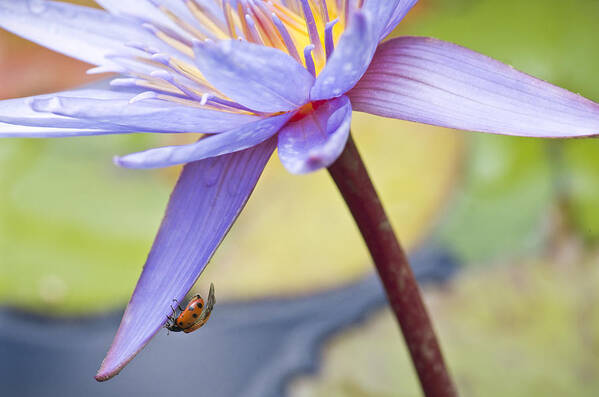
(296, 233)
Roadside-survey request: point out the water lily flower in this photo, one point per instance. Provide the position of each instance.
(255, 75)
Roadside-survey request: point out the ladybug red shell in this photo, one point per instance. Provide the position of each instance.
(194, 316)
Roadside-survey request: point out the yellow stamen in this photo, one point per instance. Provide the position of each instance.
(188, 27)
(290, 31)
(178, 45)
(205, 21)
(189, 102)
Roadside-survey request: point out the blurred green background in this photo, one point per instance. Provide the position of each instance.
(521, 319)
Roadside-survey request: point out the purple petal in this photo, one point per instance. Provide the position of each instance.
(17, 119)
(387, 14)
(206, 201)
(147, 115)
(262, 78)
(315, 141)
(349, 61)
(80, 32)
(435, 82)
(215, 145)
(357, 45)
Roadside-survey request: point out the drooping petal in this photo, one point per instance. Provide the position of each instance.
(316, 140)
(262, 78)
(349, 61)
(147, 115)
(387, 14)
(80, 32)
(215, 145)
(24, 131)
(206, 201)
(435, 82)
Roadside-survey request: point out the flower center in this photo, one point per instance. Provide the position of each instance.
(306, 110)
(307, 30)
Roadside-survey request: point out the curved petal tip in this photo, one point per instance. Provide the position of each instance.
(106, 372)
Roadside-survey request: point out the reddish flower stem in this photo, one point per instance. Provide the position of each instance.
(351, 177)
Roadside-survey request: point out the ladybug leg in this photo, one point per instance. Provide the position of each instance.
(175, 311)
(170, 320)
(178, 306)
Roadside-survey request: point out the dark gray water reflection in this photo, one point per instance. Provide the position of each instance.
(248, 349)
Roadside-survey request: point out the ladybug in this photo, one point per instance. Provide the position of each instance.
(194, 316)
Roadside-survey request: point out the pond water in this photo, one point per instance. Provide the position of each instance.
(249, 349)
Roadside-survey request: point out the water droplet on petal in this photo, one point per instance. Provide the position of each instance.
(212, 173)
(54, 104)
(37, 6)
(69, 13)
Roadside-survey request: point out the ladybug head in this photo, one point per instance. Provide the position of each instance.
(171, 324)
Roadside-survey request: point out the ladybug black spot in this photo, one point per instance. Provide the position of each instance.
(180, 322)
(200, 305)
(195, 315)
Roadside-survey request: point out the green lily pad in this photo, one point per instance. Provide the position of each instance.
(505, 197)
(75, 229)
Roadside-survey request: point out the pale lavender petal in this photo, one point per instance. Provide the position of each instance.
(143, 11)
(262, 78)
(17, 119)
(208, 197)
(148, 10)
(215, 145)
(213, 9)
(387, 14)
(151, 115)
(80, 32)
(434, 82)
(316, 140)
(139, 8)
(349, 60)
